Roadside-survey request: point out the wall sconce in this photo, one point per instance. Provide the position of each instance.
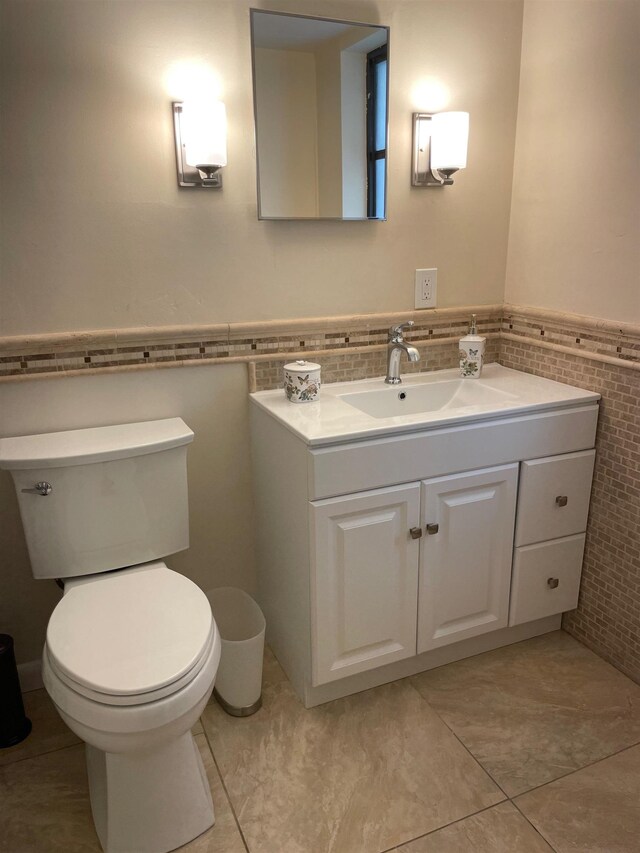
(439, 147)
(201, 142)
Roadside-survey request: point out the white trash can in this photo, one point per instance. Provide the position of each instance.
(241, 623)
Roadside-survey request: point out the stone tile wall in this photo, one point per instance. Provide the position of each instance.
(608, 615)
(346, 366)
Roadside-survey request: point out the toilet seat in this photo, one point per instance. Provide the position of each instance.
(134, 698)
(130, 637)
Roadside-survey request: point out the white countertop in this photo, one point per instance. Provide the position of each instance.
(330, 419)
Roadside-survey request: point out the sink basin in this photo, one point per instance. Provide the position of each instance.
(399, 400)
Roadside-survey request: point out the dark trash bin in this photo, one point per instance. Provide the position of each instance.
(14, 725)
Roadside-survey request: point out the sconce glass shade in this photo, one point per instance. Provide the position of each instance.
(449, 138)
(204, 134)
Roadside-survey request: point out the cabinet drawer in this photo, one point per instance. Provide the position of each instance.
(553, 498)
(536, 568)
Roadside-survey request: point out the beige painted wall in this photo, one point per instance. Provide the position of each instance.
(575, 220)
(96, 234)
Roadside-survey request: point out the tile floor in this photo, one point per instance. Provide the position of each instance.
(529, 749)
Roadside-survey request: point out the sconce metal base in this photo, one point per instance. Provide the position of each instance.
(190, 176)
(422, 175)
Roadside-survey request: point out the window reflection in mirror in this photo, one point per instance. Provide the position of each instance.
(320, 102)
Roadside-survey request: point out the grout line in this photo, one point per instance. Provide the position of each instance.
(224, 787)
(39, 754)
(535, 828)
(398, 847)
(508, 798)
(463, 745)
(576, 770)
(535, 787)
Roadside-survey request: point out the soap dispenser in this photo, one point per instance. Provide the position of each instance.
(472, 351)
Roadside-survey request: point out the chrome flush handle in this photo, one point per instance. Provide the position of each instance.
(43, 488)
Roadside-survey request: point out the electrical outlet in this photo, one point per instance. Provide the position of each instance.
(426, 288)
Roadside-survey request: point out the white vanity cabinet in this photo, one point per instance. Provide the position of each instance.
(389, 554)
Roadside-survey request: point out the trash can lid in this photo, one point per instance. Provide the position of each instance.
(130, 631)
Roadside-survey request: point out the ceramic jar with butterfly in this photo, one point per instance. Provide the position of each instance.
(302, 381)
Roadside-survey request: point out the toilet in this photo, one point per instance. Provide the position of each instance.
(132, 648)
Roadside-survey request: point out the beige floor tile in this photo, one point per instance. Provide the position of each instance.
(224, 836)
(595, 810)
(48, 732)
(536, 710)
(501, 829)
(358, 775)
(44, 807)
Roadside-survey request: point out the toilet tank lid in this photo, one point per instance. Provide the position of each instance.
(96, 444)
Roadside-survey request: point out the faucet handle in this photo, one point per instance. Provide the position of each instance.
(396, 331)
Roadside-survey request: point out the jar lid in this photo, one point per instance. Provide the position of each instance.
(301, 366)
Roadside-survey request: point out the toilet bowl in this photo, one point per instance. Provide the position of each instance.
(132, 648)
(134, 697)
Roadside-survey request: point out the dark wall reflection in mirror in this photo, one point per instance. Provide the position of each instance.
(321, 103)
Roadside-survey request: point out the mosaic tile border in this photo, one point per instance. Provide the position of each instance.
(175, 346)
(575, 334)
(63, 355)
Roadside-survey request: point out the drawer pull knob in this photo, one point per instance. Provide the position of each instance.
(553, 583)
(432, 529)
(416, 532)
(562, 500)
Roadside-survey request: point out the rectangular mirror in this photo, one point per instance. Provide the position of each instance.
(320, 94)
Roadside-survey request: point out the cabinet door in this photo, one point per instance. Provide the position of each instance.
(465, 563)
(364, 581)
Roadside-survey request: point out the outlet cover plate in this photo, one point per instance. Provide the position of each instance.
(426, 288)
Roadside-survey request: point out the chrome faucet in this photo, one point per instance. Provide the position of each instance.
(396, 347)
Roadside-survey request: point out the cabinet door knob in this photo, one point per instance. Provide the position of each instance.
(562, 500)
(416, 532)
(432, 528)
(553, 583)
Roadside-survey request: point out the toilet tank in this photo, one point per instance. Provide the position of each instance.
(118, 495)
